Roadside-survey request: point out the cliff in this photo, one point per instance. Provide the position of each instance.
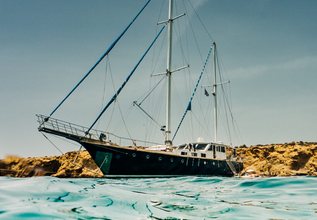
(67, 165)
(296, 158)
(289, 159)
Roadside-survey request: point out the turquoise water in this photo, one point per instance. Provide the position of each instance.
(158, 198)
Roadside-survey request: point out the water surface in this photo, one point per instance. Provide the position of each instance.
(158, 198)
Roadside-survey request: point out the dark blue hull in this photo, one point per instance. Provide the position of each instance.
(124, 161)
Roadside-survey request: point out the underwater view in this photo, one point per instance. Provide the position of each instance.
(158, 198)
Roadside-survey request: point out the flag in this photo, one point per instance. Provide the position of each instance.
(206, 93)
(189, 107)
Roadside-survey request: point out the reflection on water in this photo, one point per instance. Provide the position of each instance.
(159, 198)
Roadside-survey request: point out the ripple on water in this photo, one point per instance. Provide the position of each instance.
(158, 198)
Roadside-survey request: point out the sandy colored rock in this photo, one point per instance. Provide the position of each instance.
(66, 165)
(289, 159)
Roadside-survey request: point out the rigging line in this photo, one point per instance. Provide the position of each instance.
(225, 106)
(140, 103)
(206, 114)
(161, 9)
(188, 108)
(125, 82)
(77, 154)
(155, 60)
(195, 39)
(113, 108)
(160, 49)
(52, 143)
(124, 122)
(202, 125)
(226, 103)
(125, 125)
(178, 25)
(157, 111)
(107, 68)
(191, 127)
(188, 76)
(104, 85)
(66, 140)
(147, 114)
(234, 123)
(99, 60)
(178, 33)
(201, 22)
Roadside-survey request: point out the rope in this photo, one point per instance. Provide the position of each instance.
(77, 153)
(72, 162)
(151, 90)
(195, 38)
(113, 108)
(225, 103)
(235, 128)
(125, 125)
(52, 143)
(100, 59)
(188, 108)
(201, 22)
(125, 82)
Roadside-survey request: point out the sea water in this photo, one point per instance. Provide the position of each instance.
(158, 198)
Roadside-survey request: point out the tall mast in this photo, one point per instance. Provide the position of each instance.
(215, 94)
(168, 73)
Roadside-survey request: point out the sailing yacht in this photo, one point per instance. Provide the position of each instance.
(166, 159)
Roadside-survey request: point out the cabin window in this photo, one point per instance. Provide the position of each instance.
(200, 146)
(211, 148)
(194, 154)
(223, 149)
(183, 153)
(217, 148)
(203, 155)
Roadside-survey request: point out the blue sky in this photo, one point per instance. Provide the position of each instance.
(268, 49)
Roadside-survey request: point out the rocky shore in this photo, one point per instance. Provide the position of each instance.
(71, 164)
(289, 159)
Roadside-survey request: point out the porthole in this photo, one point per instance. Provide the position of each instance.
(182, 160)
(147, 157)
(213, 163)
(160, 158)
(134, 155)
(172, 160)
(205, 162)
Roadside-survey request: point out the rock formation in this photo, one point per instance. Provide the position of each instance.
(289, 159)
(296, 158)
(70, 164)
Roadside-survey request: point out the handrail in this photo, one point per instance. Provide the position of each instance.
(80, 131)
(232, 168)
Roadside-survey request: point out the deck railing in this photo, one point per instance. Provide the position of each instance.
(80, 131)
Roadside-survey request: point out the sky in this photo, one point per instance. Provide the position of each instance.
(268, 50)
